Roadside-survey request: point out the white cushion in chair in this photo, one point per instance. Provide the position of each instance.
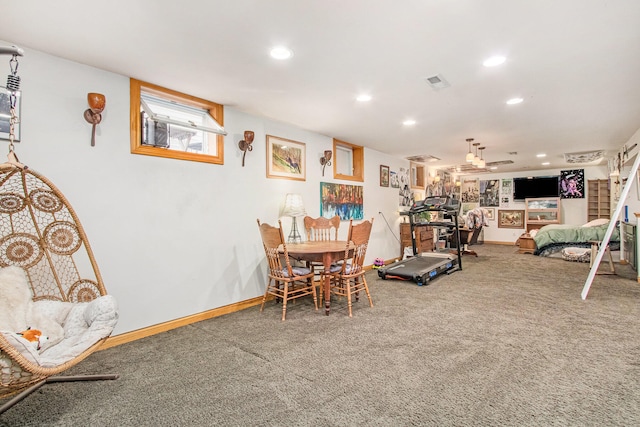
(349, 269)
(298, 271)
(335, 268)
(71, 328)
(86, 324)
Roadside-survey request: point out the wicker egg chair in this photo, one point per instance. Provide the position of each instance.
(40, 232)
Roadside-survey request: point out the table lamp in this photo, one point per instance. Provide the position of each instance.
(294, 207)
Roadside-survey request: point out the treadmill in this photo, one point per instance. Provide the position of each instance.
(424, 267)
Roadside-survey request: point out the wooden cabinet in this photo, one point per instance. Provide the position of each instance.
(598, 199)
(542, 211)
(424, 238)
(526, 244)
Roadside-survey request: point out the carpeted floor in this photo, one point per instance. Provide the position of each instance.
(507, 341)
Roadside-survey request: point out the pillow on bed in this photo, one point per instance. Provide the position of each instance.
(596, 222)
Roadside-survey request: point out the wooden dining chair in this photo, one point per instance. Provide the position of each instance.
(320, 229)
(348, 277)
(285, 282)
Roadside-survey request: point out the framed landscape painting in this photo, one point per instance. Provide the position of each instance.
(384, 176)
(510, 218)
(286, 159)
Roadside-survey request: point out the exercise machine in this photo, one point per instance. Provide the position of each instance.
(440, 213)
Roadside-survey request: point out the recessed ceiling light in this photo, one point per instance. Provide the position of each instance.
(541, 155)
(409, 122)
(514, 101)
(546, 163)
(363, 98)
(494, 61)
(281, 52)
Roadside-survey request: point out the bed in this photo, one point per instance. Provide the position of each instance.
(553, 238)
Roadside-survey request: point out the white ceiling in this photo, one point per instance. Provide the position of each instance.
(576, 63)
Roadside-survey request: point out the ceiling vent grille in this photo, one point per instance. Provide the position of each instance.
(423, 158)
(468, 168)
(437, 82)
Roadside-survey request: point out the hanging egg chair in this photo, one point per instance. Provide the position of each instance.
(45, 255)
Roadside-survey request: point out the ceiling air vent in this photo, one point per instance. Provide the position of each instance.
(468, 168)
(423, 158)
(437, 82)
(584, 156)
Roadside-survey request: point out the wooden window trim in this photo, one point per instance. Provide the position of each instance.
(216, 111)
(358, 161)
(420, 175)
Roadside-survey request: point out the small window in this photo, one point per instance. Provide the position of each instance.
(348, 161)
(170, 124)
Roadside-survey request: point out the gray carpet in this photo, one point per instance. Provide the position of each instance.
(507, 341)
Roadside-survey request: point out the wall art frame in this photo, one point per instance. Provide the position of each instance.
(344, 200)
(286, 159)
(384, 176)
(511, 218)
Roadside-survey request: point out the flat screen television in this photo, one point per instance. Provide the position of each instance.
(537, 186)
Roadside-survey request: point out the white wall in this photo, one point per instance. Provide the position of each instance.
(573, 211)
(172, 238)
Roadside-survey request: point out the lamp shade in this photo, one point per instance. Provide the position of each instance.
(469, 157)
(293, 206)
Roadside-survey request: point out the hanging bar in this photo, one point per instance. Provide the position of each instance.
(11, 50)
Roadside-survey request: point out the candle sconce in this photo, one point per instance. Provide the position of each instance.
(245, 144)
(325, 160)
(93, 114)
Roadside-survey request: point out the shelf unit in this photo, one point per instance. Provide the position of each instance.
(598, 199)
(542, 211)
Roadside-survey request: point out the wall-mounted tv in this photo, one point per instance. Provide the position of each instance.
(537, 186)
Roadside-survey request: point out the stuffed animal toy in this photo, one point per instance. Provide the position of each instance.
(34, 336)
(377, 263)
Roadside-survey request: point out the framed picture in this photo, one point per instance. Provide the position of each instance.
(490, 193)
(5, 114)
(491, 213)
(286, 159)
(384, 176)
(343, 200)
(395, 181)
(572, 184)
(508, 218)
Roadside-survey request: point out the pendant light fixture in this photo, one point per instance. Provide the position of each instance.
(469, 157)
(481, 163)
(476, 158)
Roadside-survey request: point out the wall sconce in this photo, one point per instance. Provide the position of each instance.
(245, 144)
(93, 114)
(325, 160)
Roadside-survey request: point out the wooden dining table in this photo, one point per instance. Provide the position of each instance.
(327, 252)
